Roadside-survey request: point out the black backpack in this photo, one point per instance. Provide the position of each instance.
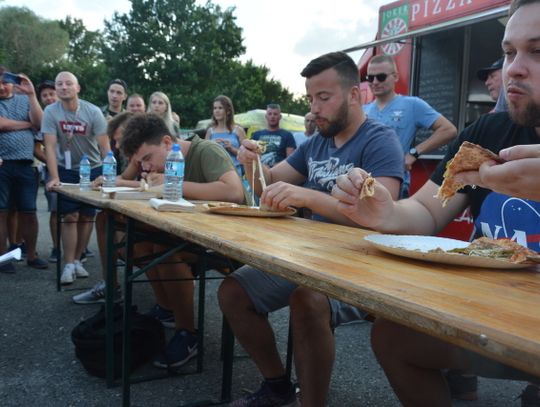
(147, 339)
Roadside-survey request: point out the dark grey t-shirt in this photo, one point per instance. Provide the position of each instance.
(374, 148)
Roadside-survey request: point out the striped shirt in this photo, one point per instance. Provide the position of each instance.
(17, 144)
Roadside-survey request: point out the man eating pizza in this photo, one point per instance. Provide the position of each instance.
(413, 360)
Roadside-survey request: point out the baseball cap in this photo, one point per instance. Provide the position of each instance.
(45, 85)
(483, 73)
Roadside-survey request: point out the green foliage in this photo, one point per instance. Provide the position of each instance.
(190, 53)
(28, 41)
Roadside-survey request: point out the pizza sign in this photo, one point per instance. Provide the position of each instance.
(394, 22)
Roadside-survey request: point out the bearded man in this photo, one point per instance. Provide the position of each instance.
(346, 139)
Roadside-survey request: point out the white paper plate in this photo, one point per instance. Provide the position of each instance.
(418, 247)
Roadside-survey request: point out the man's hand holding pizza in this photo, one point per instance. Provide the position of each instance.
(518, 176)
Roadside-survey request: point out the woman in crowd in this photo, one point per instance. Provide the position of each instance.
(160, 105)
(224, 131)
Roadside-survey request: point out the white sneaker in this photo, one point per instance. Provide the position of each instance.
(68, 274)
(80, 271)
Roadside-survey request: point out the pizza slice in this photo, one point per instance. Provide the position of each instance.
(368, 187)
(499, 248)
(468, 158)
(261, 146)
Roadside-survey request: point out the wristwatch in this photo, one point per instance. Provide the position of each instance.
(413, 152)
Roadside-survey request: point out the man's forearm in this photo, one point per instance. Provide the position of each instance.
(13, 125)
(36, 113)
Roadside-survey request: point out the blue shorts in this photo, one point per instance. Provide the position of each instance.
(18, 185)
(269, 293)
(68, 205)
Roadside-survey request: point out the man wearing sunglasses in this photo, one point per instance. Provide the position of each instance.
(406, 114)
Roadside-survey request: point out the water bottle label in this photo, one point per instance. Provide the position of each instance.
(109, 168)
(85, 170)
(174, 169)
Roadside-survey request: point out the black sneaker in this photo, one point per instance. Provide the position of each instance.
(462, 387)
(83, 258)
(53, 257)
(265, 397)
(530, 396)
(88, 252)
(165, 316)
(180, 349)
(37, 263)
(96, 295)
(7, 268)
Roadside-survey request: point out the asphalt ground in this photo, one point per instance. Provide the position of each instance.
(38, 365)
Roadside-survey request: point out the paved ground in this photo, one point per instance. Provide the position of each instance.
(38, 366)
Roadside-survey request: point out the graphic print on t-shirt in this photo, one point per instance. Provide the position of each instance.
(505, 217)
(73, 128)
(325, 172)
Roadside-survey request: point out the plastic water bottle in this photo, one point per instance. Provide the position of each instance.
(84, 173)
(174, 175)
(109, 170)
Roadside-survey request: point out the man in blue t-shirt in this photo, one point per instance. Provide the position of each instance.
(406, 114)
(279, 143)
(304, 180)
(20, 118)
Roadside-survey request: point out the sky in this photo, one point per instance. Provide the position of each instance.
(283, 35)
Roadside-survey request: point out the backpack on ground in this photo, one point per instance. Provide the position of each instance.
(147, 339)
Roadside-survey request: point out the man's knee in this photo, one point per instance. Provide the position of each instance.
(70, 217)
(307, 304)
(384, 335)
(231, 296)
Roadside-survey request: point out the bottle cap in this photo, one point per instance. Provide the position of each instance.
(176, 148)
(84, 157)
(110, 153)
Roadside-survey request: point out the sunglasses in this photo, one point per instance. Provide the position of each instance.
(381, 77)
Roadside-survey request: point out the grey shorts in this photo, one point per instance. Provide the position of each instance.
(486, 367)
(270, 293)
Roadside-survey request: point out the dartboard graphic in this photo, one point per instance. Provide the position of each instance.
(394, 27)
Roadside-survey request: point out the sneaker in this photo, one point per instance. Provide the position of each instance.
(83, 258)
(462, 387)
(165, 316)
(265, 397)
(7, 268)
(181, 348)
(53, 256)
(88, 252)
(37, 263)
(96, 295)
(68, 274)
(80, 271)
(530, 396)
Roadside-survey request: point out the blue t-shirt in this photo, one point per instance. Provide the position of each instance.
(277, 143)
(405, 114)
(16, 144)
(233, 138)
(374, 148)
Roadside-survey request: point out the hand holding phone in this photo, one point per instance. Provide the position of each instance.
(9, 77)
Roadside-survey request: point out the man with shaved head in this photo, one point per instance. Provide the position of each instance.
(73, 127)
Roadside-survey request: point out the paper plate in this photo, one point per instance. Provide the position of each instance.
(419, 248)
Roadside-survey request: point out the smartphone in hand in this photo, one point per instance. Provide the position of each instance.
(9, 77)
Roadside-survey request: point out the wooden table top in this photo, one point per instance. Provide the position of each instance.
(496, 313)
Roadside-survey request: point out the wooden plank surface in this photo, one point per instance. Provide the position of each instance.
(493, 312)
(94, 198)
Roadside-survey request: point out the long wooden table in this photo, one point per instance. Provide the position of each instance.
(495, 313)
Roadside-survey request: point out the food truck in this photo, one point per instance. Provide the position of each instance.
(438, 46)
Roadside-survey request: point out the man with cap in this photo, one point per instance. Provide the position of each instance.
(492, 78)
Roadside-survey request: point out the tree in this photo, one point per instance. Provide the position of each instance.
(28, 41)
(188, 51)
